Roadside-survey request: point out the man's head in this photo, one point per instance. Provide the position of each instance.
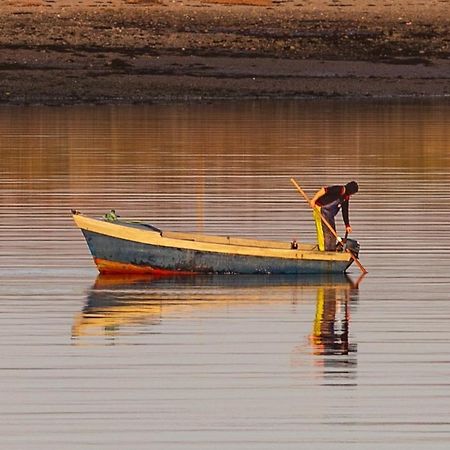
(351, 188)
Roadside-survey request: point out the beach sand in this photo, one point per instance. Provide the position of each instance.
(140, 51)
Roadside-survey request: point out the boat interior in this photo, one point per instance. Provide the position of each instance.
(228, 240)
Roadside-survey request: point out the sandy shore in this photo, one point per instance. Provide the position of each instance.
(112, 51)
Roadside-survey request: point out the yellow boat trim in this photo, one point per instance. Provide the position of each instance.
(150, 237)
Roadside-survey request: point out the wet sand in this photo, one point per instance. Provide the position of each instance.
(141, 51)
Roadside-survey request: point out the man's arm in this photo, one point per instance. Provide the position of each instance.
(345, 216)
(316, 197)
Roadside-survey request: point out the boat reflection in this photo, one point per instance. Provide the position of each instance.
(115, 302)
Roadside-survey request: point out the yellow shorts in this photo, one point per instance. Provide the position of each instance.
(319, 228)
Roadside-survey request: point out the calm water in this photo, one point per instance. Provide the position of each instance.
(225, 362)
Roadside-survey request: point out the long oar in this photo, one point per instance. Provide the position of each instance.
(325, 221)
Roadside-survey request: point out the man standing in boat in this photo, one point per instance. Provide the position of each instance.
(327, 202)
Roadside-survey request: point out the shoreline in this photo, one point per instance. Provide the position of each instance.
(147, 52)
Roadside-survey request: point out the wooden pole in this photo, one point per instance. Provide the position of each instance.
(327, 224)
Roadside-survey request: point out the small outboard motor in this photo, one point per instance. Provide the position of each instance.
(352, 245)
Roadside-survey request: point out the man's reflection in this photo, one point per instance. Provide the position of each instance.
(330, 335)
(331, 323)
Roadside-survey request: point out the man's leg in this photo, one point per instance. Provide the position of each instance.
(330, 240)
(329, 237)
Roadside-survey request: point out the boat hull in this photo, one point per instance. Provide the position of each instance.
(114, 255)
(126, 247)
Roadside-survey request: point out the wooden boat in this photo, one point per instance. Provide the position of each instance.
(121, 246)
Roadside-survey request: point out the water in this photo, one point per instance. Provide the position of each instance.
(225, 362)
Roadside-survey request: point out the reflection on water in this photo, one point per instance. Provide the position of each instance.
(331, 324)
(115, 303)
(330, 336)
